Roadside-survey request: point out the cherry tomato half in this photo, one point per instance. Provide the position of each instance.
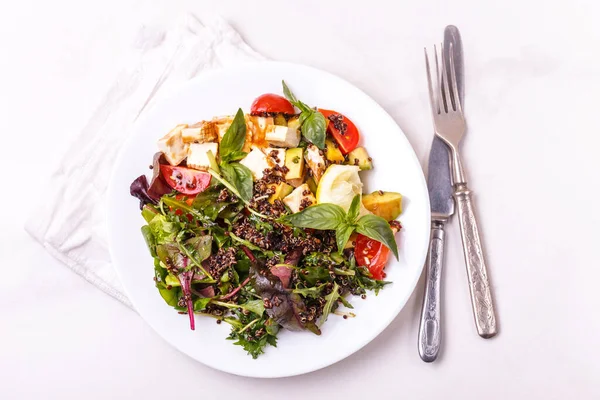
(342, 129)
(271, 103)
(372, 254)
(185, 180)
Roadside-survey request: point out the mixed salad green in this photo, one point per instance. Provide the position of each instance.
(259, 220)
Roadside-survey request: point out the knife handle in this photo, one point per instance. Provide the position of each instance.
(430, 334)
(479, 285)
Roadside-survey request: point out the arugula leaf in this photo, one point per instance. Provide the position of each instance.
(331, 301)
(312, 123)
(240, 178)
(312, 292)
(345, 302)
(377, 228)
(234, 138)
(320, 216)
(342, 235)
(313, 128)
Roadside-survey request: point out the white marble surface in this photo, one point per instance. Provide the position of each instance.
(532, 85)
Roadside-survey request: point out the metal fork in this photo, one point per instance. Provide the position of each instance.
(450, 126)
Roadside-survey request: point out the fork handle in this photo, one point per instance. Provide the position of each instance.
(430, 334)
(479, 285)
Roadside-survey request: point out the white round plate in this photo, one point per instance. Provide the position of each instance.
(396, 169)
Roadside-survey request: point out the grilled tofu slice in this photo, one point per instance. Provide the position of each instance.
(198, 155)
(173, 146)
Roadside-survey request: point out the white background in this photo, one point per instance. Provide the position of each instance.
(532, 84)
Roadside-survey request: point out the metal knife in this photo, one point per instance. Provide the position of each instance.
(441, 198)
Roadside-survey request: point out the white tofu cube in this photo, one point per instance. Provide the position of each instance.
(222, 124)
(300, 198)
(315, 161)
(275, 156)
(256, 162)
(173, 146)
(282, 136)
(198, 155)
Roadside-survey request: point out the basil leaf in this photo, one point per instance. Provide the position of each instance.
(313, 128)
(234, 138)
(244, 183)
(240, 178)
(288, 94)
(354, 209)
(234, 156)
(377, 228)
(342, 234)
(320, 216)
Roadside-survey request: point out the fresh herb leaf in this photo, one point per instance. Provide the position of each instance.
(354, 209)
(320, 216)
(312, 123)
(313, 128)
(377, 228)
(240, 178)
(345, 302)
(331, 302)
(342, 235)
(236, 156)
(234, 138)
(213, 161)
(312, 292)
(288, 94)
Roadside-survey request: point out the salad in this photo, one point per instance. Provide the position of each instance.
(259, 220)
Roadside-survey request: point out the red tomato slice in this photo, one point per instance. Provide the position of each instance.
(342, 129)
(271, 103)
(372, 254)
(185, 180)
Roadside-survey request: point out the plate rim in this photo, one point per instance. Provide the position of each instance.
(174, 91)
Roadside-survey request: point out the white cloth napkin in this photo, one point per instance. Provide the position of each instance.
(71, 223)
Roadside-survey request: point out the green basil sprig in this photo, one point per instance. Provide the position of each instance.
(312, 123)
(333, 217)
(237, 175)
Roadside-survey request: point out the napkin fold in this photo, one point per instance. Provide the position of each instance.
(71, 222)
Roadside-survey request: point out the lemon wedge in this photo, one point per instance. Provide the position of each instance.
(338, 185)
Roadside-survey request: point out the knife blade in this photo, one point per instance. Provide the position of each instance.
(439, 181)
(439, 184)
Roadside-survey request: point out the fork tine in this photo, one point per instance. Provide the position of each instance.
(444, 84)
(434, 109)
(454, 85)
(438, 82)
